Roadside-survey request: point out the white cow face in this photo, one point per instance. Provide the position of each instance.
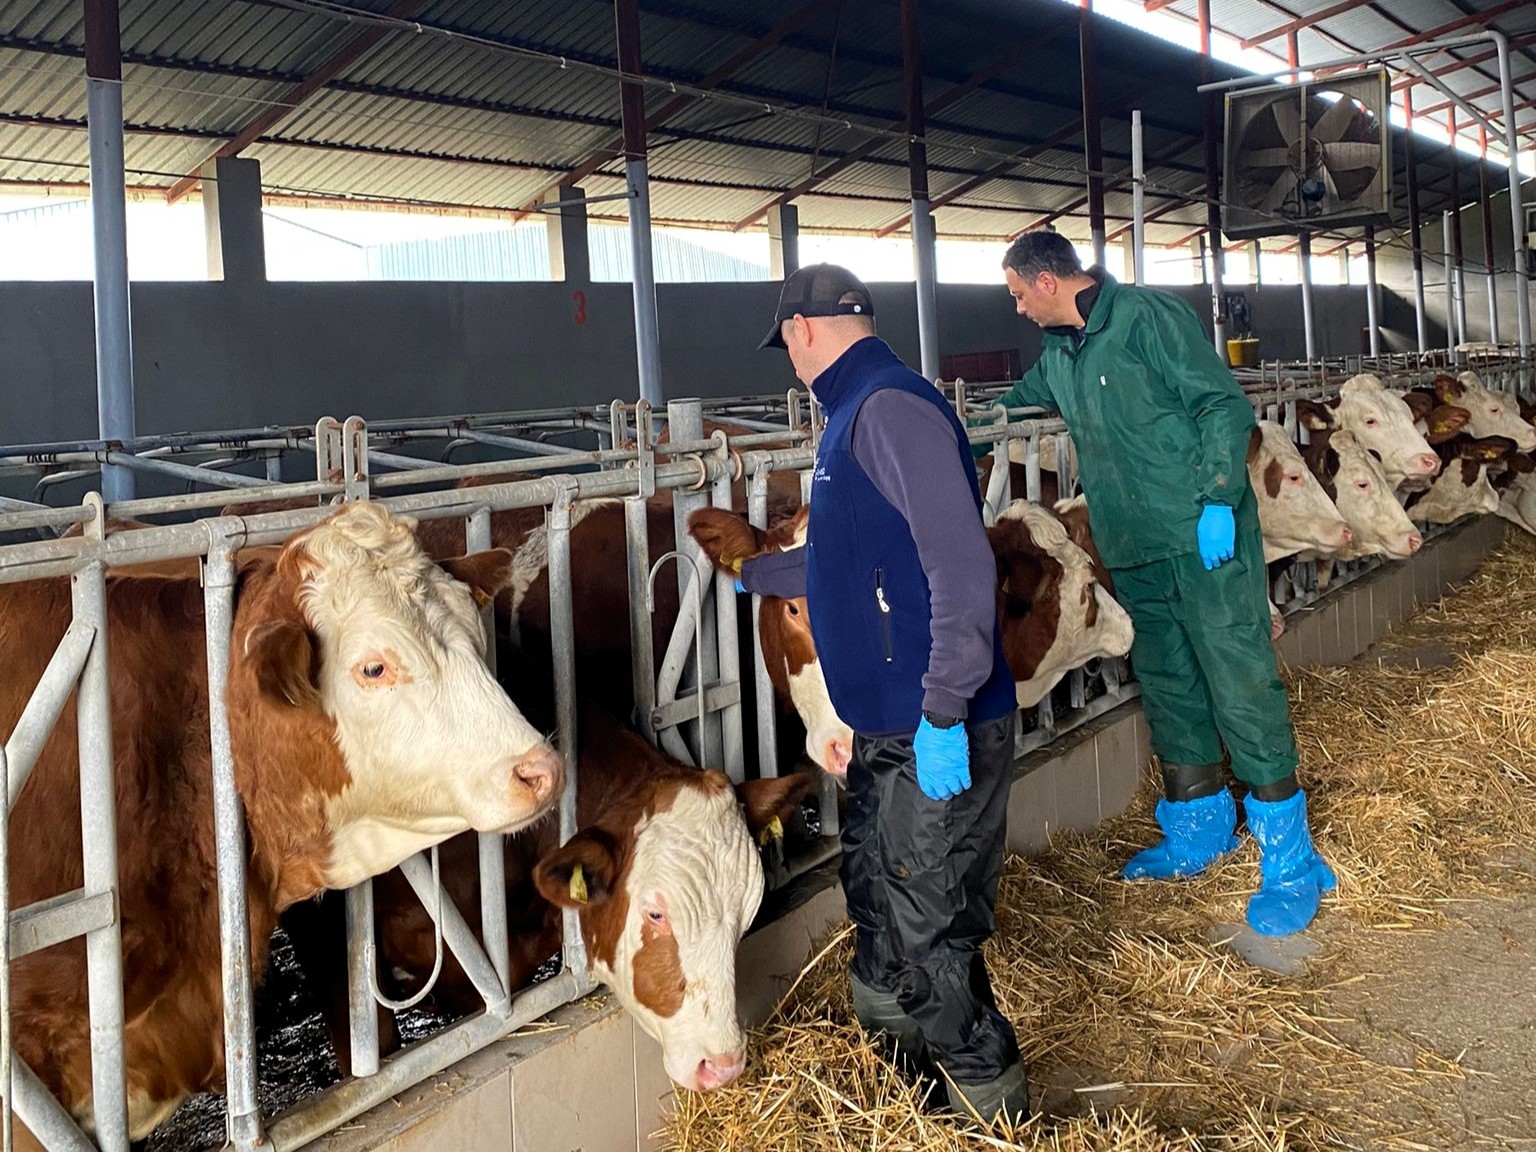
(665, 899)
(1382, 423)
(1491, 413)
(1295, 513)
(1364, 497)
(1055, 613)
(1463, 488)
(390, 648)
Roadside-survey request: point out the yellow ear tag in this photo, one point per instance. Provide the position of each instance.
(773, 830)
(578, 885)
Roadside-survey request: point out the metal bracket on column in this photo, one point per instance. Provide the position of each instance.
(645, 445)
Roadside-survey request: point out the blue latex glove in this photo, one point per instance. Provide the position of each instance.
(943, 760)
(739, 589)
(1216, 536)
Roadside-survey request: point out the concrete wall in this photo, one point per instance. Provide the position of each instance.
(229, 355)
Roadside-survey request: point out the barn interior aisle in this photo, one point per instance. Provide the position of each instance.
(1145, 1031)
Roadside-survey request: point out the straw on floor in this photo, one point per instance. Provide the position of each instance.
(1148, 1036)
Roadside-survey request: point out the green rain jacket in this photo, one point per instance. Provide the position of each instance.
(1160, 425)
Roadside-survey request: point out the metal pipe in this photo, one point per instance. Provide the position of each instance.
(43, 1115)
(1138, 201)
(244, 1109)
(1486, 204)
(1372, 302)
(925, 263)
(109, 229)
(493, 860)
(516, 443)
(767, 705)
(924, 255)
(638, 184)
(98, 830)
(1306, 295)
(45, 705)
(1093, 143)
(181, 471)
(733, 760)
(1453, 250)
(1516, 207)
(562, 634)
(1315, 66)
(1415, 235)
(362, 959)
(1450, 288)
(685, 421)
(352, 1098)
(642, 641)
(419, 874)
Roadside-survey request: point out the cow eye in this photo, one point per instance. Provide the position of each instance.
(373, 670)
(794, 609)
(655, 915)
(1363, 485)
(1495, 411)
(1371, 422)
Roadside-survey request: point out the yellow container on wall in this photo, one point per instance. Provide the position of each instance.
(1243, 353)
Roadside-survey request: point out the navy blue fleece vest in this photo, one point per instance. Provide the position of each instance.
(868, 595)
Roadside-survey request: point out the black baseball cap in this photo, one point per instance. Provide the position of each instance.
(818, 290)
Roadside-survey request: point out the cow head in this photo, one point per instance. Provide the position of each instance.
(783, 628)
(1464, 487)
(1295, 513)
(359, 658)
(665, 887)
(1491, 413)
(1052, 606)
(1354, 480)
(1382, 423)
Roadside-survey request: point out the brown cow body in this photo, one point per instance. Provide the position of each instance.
(305, 703)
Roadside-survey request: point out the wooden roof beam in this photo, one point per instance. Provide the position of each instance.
(1306, 21)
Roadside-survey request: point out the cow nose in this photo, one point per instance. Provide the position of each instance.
(1415, 542)
(717, 1071)
(836, 757)
(1429, 464)
(543, 771)
(1346, 534)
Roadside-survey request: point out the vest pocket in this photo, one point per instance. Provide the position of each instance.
(885, 613)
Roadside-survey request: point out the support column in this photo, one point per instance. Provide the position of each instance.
(638, 185)
(783, 240)
(1306, 295)
(565, 227)
(924, 254)
(1213, 185)
(1450, 285)
(1516, 206)
(1093, 144)
(109, 220)
(1453, 256)
(1415, 234)
(1372, 303)
(1138, 202)
(1486, 202)
(232, 225)
(1258, 268)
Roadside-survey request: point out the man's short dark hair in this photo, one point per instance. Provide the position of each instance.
(1042, 251)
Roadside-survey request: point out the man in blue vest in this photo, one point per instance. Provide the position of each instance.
(902, 589)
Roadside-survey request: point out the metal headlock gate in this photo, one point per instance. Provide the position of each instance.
(698, 719)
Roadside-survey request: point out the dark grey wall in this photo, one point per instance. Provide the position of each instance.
(226, 355)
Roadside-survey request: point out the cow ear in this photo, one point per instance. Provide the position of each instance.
(286, 663)
(486, 573)
(1446, 421)
(1313, 416)
(726, 538)
(1487, 448)
(1255, 441)
(1419, 403)
(1447, 388)
(581, 872)
(773, 799)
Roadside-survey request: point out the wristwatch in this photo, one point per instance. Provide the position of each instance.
(940, 721)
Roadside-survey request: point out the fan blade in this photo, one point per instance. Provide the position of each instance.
(1345, 155)
(1265, 158)
(1332, 124)
(1283, 187)
(1288, 117)
(1333, 198)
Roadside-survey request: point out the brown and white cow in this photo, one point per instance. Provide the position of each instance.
(1382, 423)
(1491, 413)
(1295, 513)
(364, 727)
(670, 879)
(1354, 480)
(1517, 492)
(1463, 487)
(1056, 614)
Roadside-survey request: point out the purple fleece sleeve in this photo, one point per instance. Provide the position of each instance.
(775, 574)
(908, 450)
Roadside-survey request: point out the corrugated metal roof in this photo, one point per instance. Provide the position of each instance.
(426, 119)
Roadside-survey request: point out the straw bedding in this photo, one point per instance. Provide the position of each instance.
(1144, 1034)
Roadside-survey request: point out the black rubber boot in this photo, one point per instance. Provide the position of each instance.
(880, 1014)
(1008, 1095)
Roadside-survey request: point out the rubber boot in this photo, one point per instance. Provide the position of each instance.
(1196, 833)
(1008, 1095)
(879, 1013)
(1293, 877)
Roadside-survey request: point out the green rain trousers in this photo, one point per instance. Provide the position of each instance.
(1205, 662)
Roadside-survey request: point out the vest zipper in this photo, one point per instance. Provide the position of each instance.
(885, 612)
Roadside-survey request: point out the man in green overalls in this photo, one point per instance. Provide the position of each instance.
(1162, 430)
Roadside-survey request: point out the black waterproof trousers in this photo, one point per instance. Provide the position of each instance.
(920, 877)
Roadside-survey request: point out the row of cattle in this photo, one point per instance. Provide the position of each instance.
(365, 726)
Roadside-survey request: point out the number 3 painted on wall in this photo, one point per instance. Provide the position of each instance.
(581, 306)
